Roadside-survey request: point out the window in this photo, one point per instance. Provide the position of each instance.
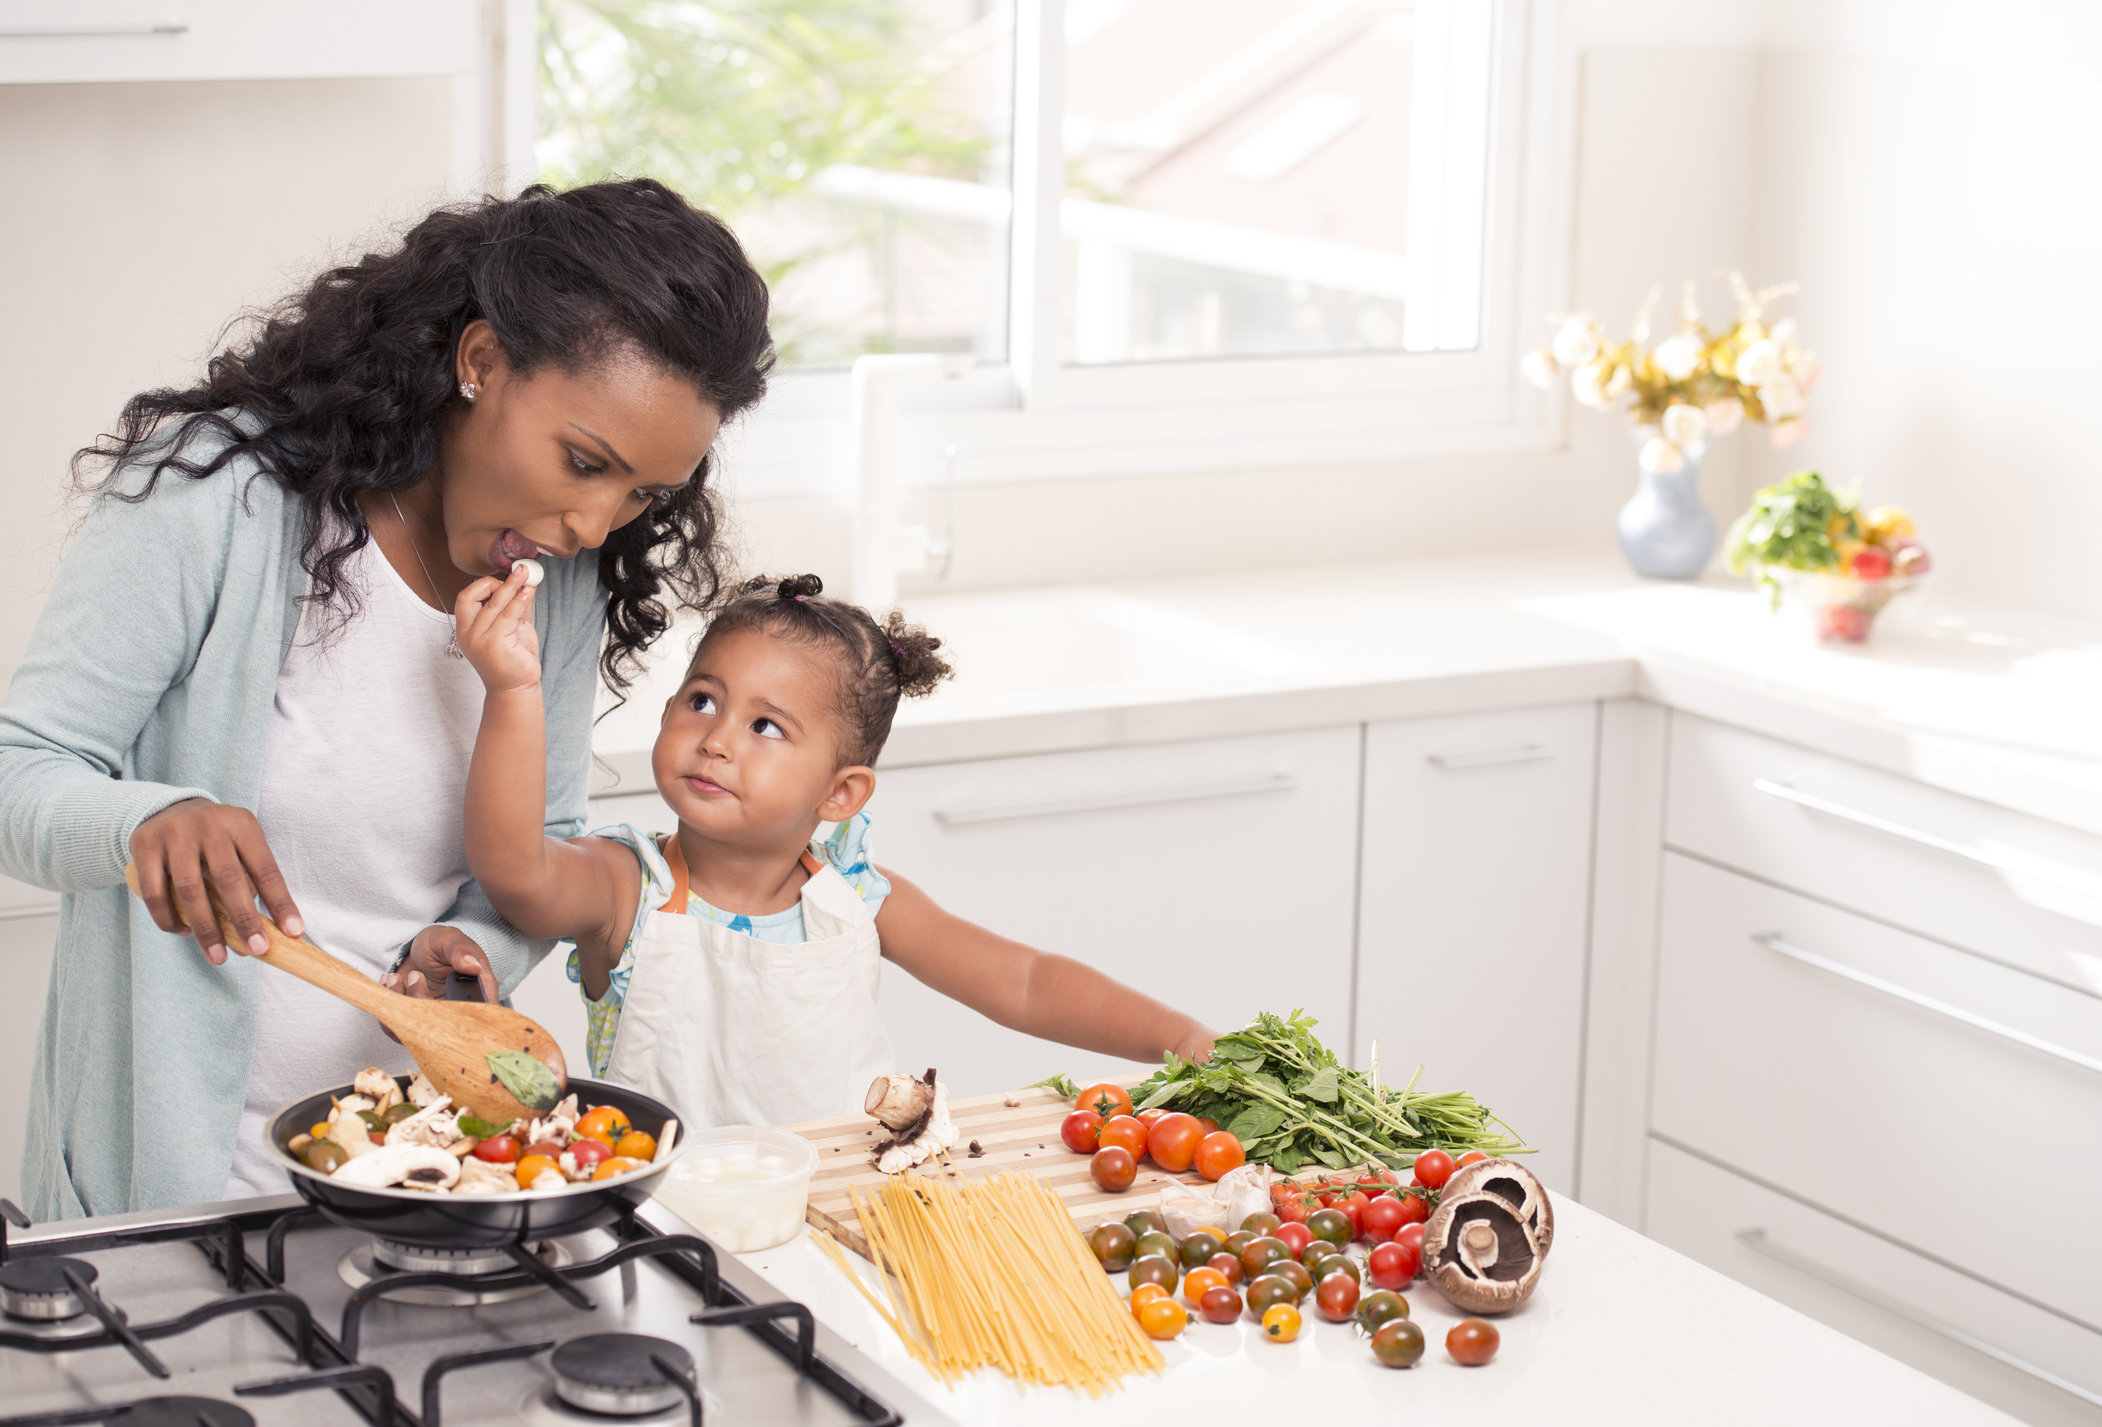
(1168, 234)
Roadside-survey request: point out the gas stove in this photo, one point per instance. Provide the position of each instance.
(262, 1311)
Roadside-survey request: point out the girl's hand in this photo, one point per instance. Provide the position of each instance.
(195, 844)
(1196, 1047)
(495, 622)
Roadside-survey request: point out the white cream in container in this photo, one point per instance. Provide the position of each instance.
(744, 1186)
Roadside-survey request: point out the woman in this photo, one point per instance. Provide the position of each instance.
(246, 677)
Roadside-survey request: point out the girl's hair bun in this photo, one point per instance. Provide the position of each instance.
(800, 587)
(915, 654)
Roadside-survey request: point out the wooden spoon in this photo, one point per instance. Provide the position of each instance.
(450, 1040)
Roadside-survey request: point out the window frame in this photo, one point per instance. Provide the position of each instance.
(1036, 418)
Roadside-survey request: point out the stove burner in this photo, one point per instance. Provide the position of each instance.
(37, 1288)
(378, 1258)
(612, 1373)
(180, 1412)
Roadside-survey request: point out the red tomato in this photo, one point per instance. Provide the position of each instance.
(498, 1149)
(1125, 1133)
(1376, 1182)
(1337, 1297)
(1221, 1305)
(1173, 1141)
(1295, 1210)
(1414, 1208)
(1381, 1218)
(1229, 1264)
(1411, 1237)
(1148, 1117)
(1114, 1167)
(1219, 1153)
(589, 1152)
(1353, 1204)
(1434, 1167)
(1471, 1157)
(1211, 1126)
(1325, 1200)
(1107, 1099)
(546, 1148)
(1296, 1237)
(1472, 1342)
(1082, 1132)
(1393, 1266)
(1870, 562)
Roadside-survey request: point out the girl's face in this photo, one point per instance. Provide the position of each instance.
(554, 463)
(749, 749)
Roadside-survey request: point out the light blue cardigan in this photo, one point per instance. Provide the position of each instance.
(149, 679)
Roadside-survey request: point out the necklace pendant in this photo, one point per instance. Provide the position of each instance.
(452, 645)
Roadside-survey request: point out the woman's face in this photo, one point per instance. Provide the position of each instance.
(553, 463)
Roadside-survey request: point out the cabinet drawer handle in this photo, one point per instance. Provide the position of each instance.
(1136, 798)
(1531, 753)
(91, 32)
(1773, 941)
(1755, 1239)
(2013, 862)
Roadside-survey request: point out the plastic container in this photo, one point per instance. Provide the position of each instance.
(1839, 608)
(744, 1186)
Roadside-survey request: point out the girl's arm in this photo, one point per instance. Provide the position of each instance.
(1036, 992)
(584, 887)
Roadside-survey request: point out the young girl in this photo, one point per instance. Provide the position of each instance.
(731, 970)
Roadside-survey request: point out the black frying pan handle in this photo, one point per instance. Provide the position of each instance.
(463, 988)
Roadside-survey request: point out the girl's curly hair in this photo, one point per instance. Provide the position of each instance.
(348, 387)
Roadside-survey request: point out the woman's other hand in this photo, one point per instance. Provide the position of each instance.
(494, 619)
(195, 845)
(437, 954)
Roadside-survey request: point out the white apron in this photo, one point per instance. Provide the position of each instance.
(731, 1030)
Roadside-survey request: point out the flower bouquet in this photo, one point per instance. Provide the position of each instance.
(1813, 547)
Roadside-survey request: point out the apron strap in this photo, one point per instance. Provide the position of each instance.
(675, 858)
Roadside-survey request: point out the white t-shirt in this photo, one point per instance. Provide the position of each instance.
(363, 782)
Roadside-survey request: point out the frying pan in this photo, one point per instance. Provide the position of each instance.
(464, 1221)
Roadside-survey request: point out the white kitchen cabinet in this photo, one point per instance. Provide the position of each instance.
(103, 41)
(1473, 913)
(1215, 875)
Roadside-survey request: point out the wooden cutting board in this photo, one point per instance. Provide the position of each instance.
(1019, 1136)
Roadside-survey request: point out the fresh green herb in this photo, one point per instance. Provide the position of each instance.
(481, 1129)
(529, 1081)
(1290, 1103)
(1795, 525)
(1061, 1084)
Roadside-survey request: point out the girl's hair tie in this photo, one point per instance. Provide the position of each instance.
(801, 598)
(897, 649)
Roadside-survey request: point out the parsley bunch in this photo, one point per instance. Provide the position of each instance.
(1797, 525)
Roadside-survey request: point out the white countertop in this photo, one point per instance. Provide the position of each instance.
(1621, 1330)
(2000, 703)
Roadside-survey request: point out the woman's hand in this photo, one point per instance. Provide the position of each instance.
(437, 954)
(494, 619)
(189, 847)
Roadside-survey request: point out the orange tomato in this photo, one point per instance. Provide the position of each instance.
(1163, 1318)
(614, 1168)
(1095, 1096)
(1211, 1126)
(1218, 1153)
(636, 1144)
(1149, 1118)
(1124, 1133)
(529, 1169)
(605, 1124)
(1173, 1141)
(1281, 1323)
(1197, 1280)
(1144, 1294)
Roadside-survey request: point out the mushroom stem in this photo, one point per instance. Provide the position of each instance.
(899, 1100)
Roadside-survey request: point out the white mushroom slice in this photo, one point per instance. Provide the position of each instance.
(560, 1125)
(348, 1129)
(391, 1164)
(480, 1177)
(548, 1181)
(898, 1100)
(380, 1086)
(351, 1104)
(434, 1124)
(940, 1128)
(421, 1091)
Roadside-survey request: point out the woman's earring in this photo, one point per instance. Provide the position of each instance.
(467, 390)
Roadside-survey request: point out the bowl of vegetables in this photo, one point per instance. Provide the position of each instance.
(1820, 555)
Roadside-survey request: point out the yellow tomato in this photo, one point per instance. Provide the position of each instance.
(1144, 1294)
(605, 1124)
(1163, 1317)
(319, 1130)
(1198, 1280)
(615, 1167)
(528, 1169)
(1281, 1323)
(636, 1145)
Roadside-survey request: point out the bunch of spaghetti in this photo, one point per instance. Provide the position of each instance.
(992, 1274)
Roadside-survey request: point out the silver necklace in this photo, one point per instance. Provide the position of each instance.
(452, 645)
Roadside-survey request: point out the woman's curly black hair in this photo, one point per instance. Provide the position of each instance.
(880, 663)
(348, 387)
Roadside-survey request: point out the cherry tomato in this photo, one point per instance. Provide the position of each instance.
(1260, 1223)
(1471, 1157)
(604, 1123)
(587, 1153)
(1197, 1281)
(1163, 1318)
(1158, 1241)
(1294, 1211)
(1240, 1239)
(1295, 1274)
(635, 1144)
(1124, 1133)
(1414, 1209)
(1145, 1221)
(1220, 1305)
(1411, 1235)
(498, 1149)
(1333, 1225)
(1114, 1245)
(1381, 1218)
(1114, 1168)
(1281, 1323)
(1398, 1344)
(1337, 1297)
(547, 1149)
(1107, 1099)
(1218, 1153)
(1229, 1265)
(1394, 1265)
(616, 1167)
(1198, 1248)
(1294, 1237)
(531, 1167)
(1150, 1118)
(1144, 1294)
(1434, 1167)
(1472, 1342)
(1378, 1181)
(1173, 1141)
(1316, 1253)
(1379, 1308)
(1257, 1258)
(1353, 1205)
(1082, 1131)
(1152, 1268)
(1211, 1126)
(325, 1155)
(1269, 1290)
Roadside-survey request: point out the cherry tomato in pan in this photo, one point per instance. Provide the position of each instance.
(1114, 1168)
(587, 1153)
(1125, 1133)
(604, 1123)
(1294, 1237)
(1337, 1297)
(498, 1149)
(637, 1144)
(1472, 1342)
(1434, 1167)
(1398, 1344)
(1082, 1131)
(1106, 1099)
(1172, 1141)
(1219, 1153)
(546, 1149)
(1220, 1305)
